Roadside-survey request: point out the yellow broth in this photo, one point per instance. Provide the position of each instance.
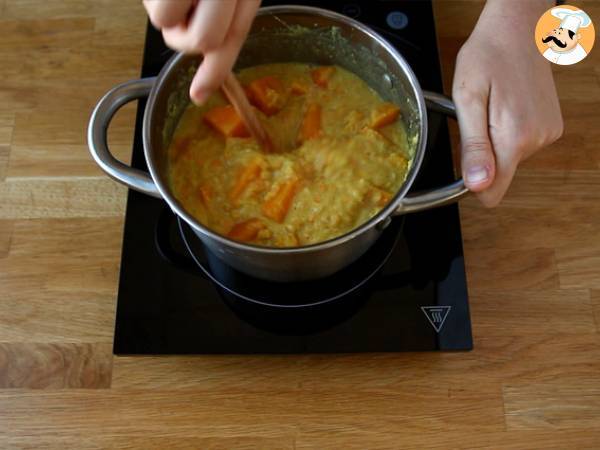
(306, 191)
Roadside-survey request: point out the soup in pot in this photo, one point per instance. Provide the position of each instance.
(341, 154)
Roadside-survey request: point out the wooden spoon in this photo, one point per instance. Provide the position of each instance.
(236, 95)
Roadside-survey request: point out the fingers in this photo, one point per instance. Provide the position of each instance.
(218, 63)
(206, 29)
(478, 161)
(167, 13)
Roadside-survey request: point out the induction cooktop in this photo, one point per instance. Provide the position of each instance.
(407, 293)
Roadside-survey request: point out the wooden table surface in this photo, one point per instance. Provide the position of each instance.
(533, 265)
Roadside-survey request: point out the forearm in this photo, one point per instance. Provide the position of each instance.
(529, 8)
(511, 21)
(520, 15)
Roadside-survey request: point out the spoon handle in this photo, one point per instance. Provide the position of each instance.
(236, 95)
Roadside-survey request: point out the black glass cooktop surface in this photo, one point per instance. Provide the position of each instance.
(408, 293)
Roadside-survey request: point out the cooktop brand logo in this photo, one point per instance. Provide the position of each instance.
(436, 315)
(564, 35)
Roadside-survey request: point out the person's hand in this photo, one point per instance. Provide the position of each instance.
(215, 29)
(505, 97)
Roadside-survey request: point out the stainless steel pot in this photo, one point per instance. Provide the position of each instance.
(281, 34)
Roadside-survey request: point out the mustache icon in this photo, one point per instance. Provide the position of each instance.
(556, 41)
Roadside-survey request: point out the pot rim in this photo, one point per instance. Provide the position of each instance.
(378, 218)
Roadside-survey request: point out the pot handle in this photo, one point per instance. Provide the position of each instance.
(450, 193)
(97, 135)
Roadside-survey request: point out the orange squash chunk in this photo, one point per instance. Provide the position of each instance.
(311, 123)
(246, 231)
(384, 114)
(321, 75)
(226, 121)
(297, 88)
(267, 94)
(277, 206)
(246, 176)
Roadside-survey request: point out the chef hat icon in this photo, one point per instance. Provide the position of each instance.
(571, 20)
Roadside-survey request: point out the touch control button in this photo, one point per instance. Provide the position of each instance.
(397, 20)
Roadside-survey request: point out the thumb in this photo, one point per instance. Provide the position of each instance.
(478, 161)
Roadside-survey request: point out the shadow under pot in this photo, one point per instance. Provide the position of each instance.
(294, 307)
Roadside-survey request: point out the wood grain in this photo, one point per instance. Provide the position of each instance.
(500, 228)
(579, 265)
(7, 122)
(532, 311)
(563, 405)
(512, 269)
(42, 366)
(58, 280)
(405, 439)
(269, 413)
(595, 294)
(55, 197)
(533, 267)
(6, 231)
(283, 442)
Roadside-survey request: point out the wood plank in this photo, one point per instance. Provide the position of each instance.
(533, 268)
(36, 33)
(54, 143)
(59, 279)
(575, 150)
(560, 225)
(37, 314)
(63, 47)
(233, 413)
(45, 239)
(34, 9)
(87, 61)
(447, 14)
(30, 198)
(496, 359)
(6, 232)
(209, 372)
(579, 266)
(578, 82)
(55, 366)
(122, 26)
(595, 296)
(560, 405)
(534, 189)
(17, 99)
(65, 248)
(98, 442)
(535, 312)
(4, 157)
(357, 439)
(475, 440)
(7, 122)
(77, 60)
(53, 45)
